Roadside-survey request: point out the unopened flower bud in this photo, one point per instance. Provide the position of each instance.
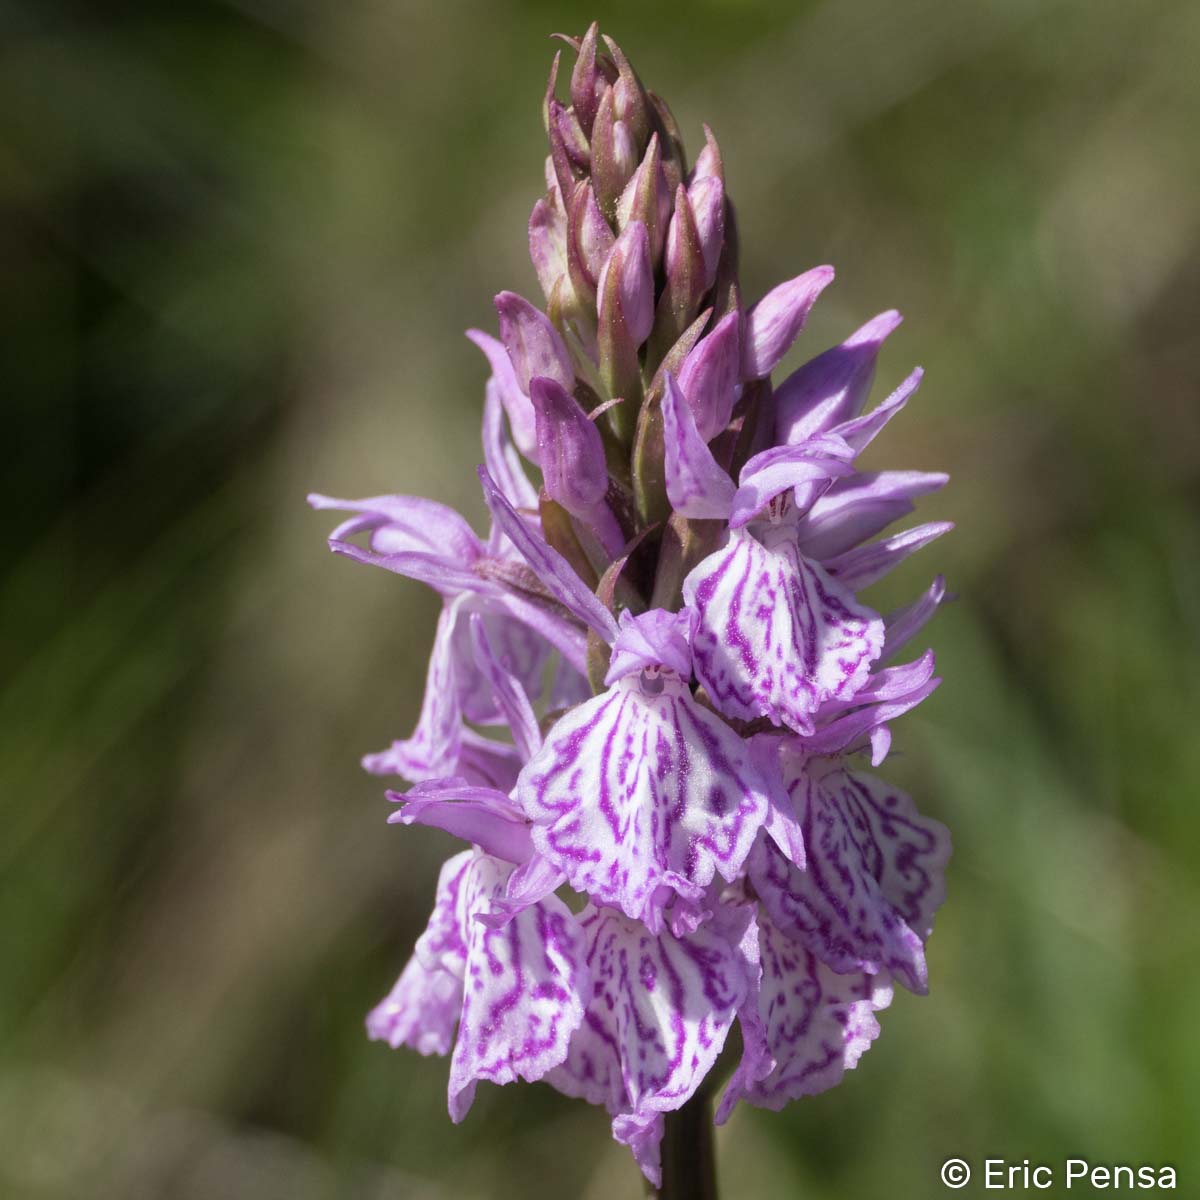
(647, 199)
(574, 141)
(709, 162)
(548, 244)
(629, 97)
(614, 154)
(685, 273)
(673, 156)
(589, 240)
(570, 451)
(629, 265)
(534, 346)
(626, 315)
(707, 196)
(710, 375)
(587, 83)
(563, 170)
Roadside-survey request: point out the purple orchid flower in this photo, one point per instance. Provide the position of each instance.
(653, 681)
(641, 794)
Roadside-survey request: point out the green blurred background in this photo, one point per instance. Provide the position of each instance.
(241, 241)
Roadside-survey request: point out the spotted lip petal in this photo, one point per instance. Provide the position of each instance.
(659, 1010)
(516, 992)
(640, 792)
(873, 880)
(443, 944)
(423, 1007)
(775, 636)
(522, 989)
(816, 1024)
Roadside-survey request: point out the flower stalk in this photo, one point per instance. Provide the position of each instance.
(689, 1166)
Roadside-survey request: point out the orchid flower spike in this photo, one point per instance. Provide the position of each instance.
(655, 679)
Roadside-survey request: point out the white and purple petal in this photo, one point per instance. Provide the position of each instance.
(816, 1024)
(420, 1011)
(775, 636)
(433, 750)
(873, 878)
(641, 792)
(442, 945)
(516, 649)
(522, 990)
(659, 1011)
(509, 691)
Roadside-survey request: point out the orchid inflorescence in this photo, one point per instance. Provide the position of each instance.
(653, 679)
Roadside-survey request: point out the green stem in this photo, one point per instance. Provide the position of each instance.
(689, 1165)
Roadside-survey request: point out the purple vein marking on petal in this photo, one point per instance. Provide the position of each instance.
(635, 795)
(776, 636)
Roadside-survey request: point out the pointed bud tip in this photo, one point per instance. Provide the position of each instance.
(876, 329)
